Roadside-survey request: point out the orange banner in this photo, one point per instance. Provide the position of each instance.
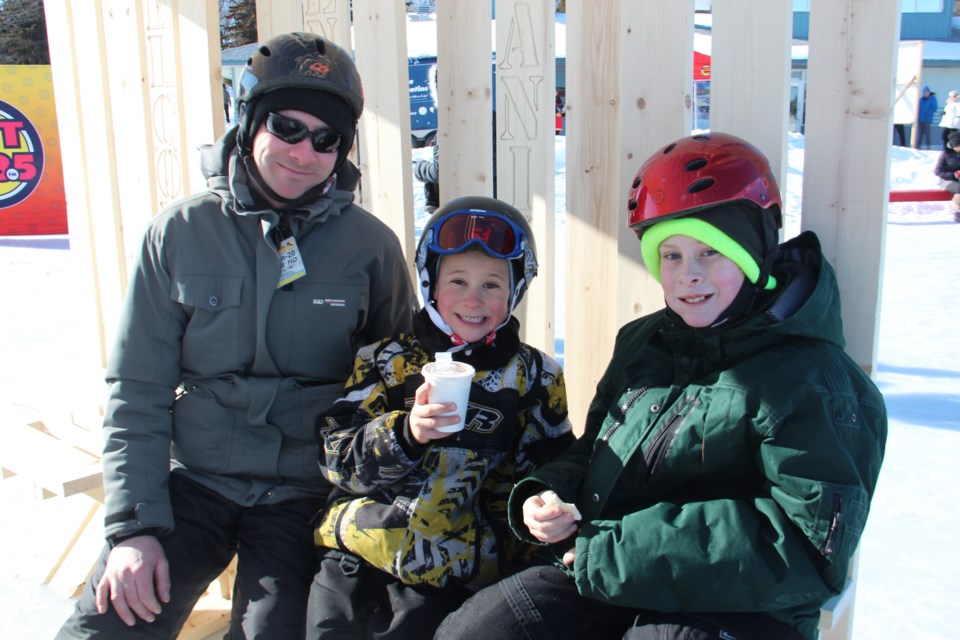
(32, 200)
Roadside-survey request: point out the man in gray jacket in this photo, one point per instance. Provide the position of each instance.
(239, 328)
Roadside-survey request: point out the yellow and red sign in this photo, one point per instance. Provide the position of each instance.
(32, 200)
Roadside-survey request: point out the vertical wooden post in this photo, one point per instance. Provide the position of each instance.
(385, 147)
(278, 16)
(67, 78)
(130, 147)
(753, 35)
(526, 83)
(628, 71)
(465, 93)
(847, 153)
(329, 18)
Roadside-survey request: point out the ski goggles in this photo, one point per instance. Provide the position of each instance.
(497, 234)
(324, 140)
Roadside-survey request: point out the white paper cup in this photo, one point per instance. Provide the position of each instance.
(451, 383)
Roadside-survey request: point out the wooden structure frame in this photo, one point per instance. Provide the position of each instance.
(137, 85)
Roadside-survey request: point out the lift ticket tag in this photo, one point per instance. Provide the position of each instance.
(291, 266)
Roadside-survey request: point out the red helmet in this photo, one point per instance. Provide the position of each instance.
(701, 171)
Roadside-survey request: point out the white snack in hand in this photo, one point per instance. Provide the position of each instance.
(550, 498)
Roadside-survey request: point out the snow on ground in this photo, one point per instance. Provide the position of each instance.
(907, 587)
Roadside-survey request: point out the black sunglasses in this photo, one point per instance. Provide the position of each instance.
(292, 131)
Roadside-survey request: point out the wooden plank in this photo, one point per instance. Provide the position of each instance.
(847, 153)
(125, 42)
(834, 609)
(750, 75)
(210, 615)
(628, 88)
(197, 60)
(465, 95)
(278, 16)
(78, 558)
(75, 142)
(48, 462)
(525, 139)
(655, 109)
(331, 19)
(384, 146)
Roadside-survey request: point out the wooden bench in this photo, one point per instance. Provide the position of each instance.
(836, 614)
(59, 454)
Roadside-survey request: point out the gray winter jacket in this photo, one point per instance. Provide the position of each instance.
(221, 375)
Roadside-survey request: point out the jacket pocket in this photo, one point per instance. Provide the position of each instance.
(203, 430)
(210, 340)
(313, 331)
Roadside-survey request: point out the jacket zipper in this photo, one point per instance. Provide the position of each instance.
(827, 548)
(659, 449)
(623, 412)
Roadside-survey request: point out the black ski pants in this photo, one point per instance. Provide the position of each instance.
(275, 566)
(543, 603)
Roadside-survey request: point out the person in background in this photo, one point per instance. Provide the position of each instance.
(950, 121)
(732, 449)
(243, 312)
(428, 171)
(226, 103)
(948, 170)
(417, 521)
(925, 111)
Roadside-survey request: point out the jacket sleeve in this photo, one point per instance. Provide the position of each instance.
(942, 168)
(546, 428)
(364, 439)
(392, 298)
(818, 458)
(565, 472)
(428, 170)
(142, 373)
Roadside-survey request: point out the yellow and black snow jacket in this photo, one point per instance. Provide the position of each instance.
(435, 514)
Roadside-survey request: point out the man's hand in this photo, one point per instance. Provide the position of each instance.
(426, 417)
(137, 574)
(547, 523)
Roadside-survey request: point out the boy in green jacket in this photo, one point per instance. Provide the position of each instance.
(732, 449)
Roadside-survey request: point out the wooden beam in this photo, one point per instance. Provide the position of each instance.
(750, 75)
(384, 145)
(628, 88)
(847, 153)
(526, 140)
(465, 94)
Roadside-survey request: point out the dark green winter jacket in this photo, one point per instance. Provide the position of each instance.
(730, 469)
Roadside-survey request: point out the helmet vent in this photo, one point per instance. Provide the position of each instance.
(636, 182)
(321, 47)
(633, 204)
(264, 51)
(696, 165)
(669, 148)
(700, 185)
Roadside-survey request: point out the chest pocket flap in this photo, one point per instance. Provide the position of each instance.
(209, 293)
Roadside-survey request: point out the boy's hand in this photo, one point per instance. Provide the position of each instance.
(426, 417)
(547, 523)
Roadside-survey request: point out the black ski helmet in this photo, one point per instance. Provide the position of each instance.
(523, 258)
(303, 61)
